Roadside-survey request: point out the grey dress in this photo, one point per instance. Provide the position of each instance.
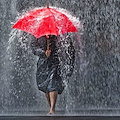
(48, 71)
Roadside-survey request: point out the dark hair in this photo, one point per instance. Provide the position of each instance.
(52, 37)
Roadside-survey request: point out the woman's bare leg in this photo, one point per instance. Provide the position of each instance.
(48, 98)
(53, 99)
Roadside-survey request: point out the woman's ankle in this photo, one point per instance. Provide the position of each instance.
(52, 110)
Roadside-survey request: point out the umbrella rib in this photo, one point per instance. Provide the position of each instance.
(53, 20)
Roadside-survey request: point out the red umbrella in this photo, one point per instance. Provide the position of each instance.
(45, 21)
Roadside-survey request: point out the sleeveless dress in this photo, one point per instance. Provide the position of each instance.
(48, 71)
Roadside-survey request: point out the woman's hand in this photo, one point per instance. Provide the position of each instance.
(48, 52)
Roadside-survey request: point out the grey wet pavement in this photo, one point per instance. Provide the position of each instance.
(59, 118)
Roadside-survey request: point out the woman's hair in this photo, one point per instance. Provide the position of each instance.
(52, 37)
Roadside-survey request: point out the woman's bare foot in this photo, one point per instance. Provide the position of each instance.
(51, 112)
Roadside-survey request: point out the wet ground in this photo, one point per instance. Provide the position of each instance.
(59, 118)
(62, 115)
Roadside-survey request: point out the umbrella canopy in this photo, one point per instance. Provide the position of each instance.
(45, 21)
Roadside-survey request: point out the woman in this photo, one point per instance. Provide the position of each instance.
(48, 70)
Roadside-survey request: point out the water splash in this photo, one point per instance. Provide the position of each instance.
(63, 40)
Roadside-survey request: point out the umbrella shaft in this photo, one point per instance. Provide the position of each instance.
(48, 45)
